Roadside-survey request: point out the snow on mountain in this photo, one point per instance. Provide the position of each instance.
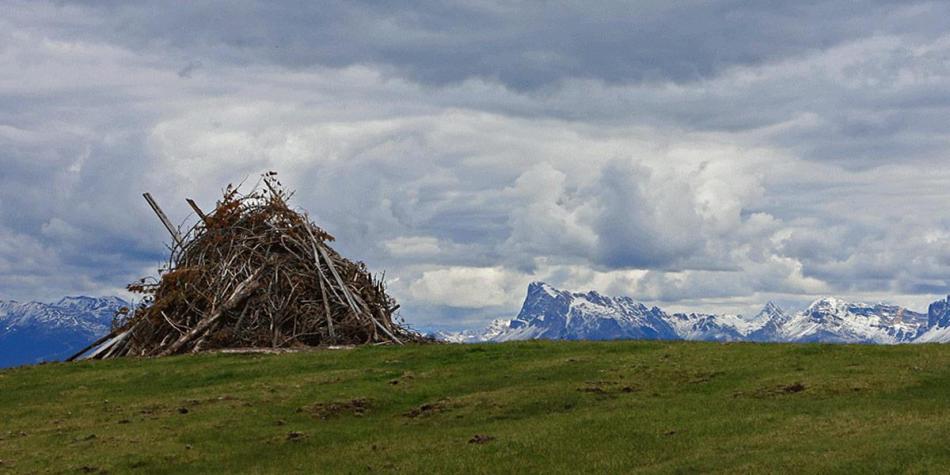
(32, 332)
(726, 327)
(935, 335)
(837, 321)
(88, 314)
(700, 326)
(553, 314)
(768, 323)
(495, 328)
(550, 313)
(938, 323)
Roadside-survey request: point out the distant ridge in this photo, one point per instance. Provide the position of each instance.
(551, 313)
(34, 332)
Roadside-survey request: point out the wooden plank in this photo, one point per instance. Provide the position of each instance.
(161, 215)
(108, 346)
(198, 211)
(91, 346)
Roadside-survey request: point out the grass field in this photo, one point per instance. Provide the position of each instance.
(560, 407)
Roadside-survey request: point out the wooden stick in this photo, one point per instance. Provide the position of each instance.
(116, 345)
(198, 211)
(91, 346)
(326, 307)
(320, 279)
(108, 345)
(161, 216)
(241, 292)
(346, 293)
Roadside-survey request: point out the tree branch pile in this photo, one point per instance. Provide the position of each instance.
(254, 273)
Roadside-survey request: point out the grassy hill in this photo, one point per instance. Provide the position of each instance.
(517, 407)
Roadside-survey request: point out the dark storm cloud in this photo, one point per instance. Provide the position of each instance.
(524, 45)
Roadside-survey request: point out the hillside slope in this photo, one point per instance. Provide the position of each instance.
(535, 406)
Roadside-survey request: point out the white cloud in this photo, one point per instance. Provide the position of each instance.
(413, 246)
(467, 287)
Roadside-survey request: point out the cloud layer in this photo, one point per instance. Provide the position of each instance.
(694, 154)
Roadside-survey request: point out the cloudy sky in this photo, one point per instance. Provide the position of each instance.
(703, 155)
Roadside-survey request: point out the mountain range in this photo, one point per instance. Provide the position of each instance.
(550, 313)
(35, 332)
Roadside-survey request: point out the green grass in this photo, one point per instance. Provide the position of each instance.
(552, 407)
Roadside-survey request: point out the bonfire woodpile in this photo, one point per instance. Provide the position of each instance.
(253, 273)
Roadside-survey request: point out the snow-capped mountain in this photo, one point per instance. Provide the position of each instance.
(549, 313)
(938, 315)
(938, 323)
(768, 323)
(727, 327)
(32, 332)
(495, 328)
(836, 321)
(701, 326)
(764, 326)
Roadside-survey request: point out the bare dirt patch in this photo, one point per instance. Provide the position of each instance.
(794, 388)
(481, 439)
(775, 391)
(326, 410)
(593, 390)
(427, 409)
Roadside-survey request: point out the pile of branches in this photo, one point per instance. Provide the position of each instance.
(253, 273)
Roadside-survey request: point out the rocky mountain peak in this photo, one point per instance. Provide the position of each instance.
(551, 313)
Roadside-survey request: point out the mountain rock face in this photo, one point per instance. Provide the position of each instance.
(34, 332)
(938, 323)
(549, 313)
(553, 314)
